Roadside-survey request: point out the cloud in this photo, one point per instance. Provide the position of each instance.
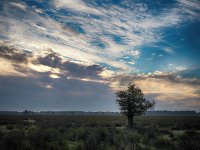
(72, 69)
(165, 88)
(76, 5)
(173, 77)
(54, 76)
(190, 8)
(36, 33)
(18, 5)
(168, 50)
(26, 63)
(14, 54)
(135, 53)
(174, 67)
(8, 69)
(51, 59)
(109, 24)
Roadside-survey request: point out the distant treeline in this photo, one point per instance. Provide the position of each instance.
(174, 113)
(162, 113)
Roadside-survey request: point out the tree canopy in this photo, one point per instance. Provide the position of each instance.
(132, 102)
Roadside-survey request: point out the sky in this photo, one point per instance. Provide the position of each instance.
(74, 54)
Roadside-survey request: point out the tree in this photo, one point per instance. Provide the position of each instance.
(132, 102)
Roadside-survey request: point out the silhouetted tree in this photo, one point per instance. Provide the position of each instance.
(132, 102)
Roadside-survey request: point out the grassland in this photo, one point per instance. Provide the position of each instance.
(50, 132)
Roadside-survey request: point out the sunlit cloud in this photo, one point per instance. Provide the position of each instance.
(54, 76)
(163, 87)
(45, 85)
(135, 53)
(7, 69)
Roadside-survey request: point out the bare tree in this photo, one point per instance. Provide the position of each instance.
(132, 102)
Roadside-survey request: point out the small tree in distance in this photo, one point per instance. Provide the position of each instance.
(132, 102)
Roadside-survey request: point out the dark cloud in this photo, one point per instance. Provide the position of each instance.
(83, 71)
(52, 59)
(14, 54)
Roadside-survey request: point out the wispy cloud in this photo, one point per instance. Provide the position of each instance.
(19, 5)
(168, 50)
(76, 5)
(190, 8)
(121, 30)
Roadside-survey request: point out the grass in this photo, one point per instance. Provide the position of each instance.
(31, 132)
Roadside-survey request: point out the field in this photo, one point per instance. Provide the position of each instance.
(45, 132)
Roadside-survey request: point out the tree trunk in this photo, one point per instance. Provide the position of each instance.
(130, 122)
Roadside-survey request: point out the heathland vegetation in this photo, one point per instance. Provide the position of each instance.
(73, 132)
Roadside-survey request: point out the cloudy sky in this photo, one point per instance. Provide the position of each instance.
(73, 54)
